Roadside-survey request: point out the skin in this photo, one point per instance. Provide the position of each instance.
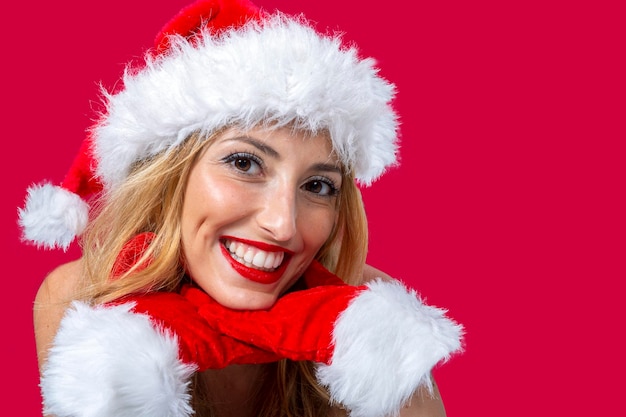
(229, 384)
(290, 185)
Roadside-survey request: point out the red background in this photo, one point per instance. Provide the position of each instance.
(508, 208)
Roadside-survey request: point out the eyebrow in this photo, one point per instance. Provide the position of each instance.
(257, 144)
(273, 153)
(328, 168)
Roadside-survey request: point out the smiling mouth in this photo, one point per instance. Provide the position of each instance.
(253, 257)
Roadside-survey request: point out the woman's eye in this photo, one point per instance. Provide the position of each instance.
(242, 164)
(245, 163)
(321, 187)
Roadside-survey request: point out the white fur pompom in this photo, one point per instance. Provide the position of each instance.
(52, 216)
(110, 362)
(386, 343)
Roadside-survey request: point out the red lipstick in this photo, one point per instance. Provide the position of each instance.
(256, 275)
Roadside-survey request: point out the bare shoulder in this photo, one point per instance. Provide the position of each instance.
(52, 299)
(59, 284)
(370, 273)
(423, 403)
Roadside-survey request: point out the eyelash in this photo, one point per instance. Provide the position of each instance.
(232, 158)
(334, 190)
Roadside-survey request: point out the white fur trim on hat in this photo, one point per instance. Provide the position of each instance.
(279, 71)
(52, 216)
(111, 362)
(376, 367)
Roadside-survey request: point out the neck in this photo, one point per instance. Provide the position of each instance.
(232, 391)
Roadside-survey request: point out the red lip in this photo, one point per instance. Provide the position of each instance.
(262, 277)
(263, 246)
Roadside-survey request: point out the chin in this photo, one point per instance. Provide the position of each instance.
(247, 300)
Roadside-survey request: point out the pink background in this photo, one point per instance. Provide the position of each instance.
(508, 208)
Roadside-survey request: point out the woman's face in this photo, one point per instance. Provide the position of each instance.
(258, 206)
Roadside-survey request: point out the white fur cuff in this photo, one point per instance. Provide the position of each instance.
(386, 343)
(111, 362)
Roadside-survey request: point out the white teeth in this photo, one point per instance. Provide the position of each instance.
(269, 261)
(253, 257)
(259, 259)
(278, 259)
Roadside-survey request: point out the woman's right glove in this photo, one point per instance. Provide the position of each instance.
(135, 358)
(375, 344)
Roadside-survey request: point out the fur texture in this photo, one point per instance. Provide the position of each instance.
(275, 70)
(278, 71)
(52, 216)
(108, 361)
(376, 367)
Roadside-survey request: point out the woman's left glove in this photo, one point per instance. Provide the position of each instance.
(134, 358)
(375, 344)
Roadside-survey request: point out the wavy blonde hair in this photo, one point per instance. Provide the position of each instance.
(151, 200)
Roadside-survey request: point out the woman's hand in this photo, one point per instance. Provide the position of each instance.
(375, 344)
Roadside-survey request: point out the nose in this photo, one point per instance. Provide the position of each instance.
(279, 213)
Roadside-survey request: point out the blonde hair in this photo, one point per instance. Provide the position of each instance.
(151, 200)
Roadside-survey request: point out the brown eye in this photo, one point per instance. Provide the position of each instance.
(245, 163)
(242, 164)
(315, 186)
(321, 187)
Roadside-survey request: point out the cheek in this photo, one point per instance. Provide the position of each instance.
(200, 217)
(317, 228)
(207, 198)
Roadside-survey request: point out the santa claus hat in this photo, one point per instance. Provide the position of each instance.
(218, 63)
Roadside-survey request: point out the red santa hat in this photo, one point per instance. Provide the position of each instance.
(218, 63)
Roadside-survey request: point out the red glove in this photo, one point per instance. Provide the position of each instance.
(376, 343)
(134, 357)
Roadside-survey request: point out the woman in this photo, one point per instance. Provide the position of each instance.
(225, 182)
